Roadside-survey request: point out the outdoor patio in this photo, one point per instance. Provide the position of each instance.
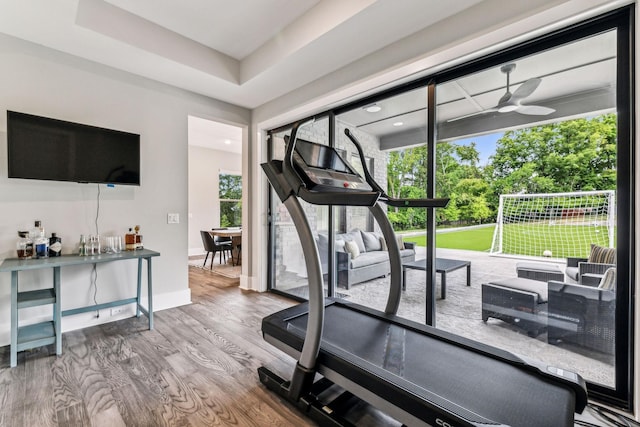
(460, 312)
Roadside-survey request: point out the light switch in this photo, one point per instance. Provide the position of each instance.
(173, 218)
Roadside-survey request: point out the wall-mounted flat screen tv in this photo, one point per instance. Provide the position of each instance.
(50, 149)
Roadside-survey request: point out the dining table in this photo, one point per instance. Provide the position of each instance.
(236, 240)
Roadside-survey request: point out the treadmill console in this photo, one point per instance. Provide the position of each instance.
(322, 169)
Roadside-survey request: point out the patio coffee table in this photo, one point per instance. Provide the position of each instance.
(443, 266)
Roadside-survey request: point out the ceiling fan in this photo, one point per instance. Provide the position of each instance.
(513, 101)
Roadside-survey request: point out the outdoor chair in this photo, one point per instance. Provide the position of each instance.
(583, 315)
(589, 271)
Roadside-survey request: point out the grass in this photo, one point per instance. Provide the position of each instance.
(525, 239)
(472, 239)
(562, 240)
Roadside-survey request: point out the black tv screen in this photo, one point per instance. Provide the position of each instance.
(57, 150)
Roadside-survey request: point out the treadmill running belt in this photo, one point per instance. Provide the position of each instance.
(372, 351)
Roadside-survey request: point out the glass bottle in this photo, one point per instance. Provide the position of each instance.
(94, 245)
(82, 246)
(55, 245)
(24, 245)
(40, 242)
(130, 241)
(138, 237)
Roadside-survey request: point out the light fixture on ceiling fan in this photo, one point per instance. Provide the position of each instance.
(513, 101)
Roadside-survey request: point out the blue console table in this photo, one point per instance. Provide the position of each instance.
(45, 333)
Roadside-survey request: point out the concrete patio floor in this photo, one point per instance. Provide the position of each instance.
(460, 312)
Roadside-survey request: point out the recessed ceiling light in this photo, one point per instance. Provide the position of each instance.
(226, 141)
(398, 124)
(373, 108)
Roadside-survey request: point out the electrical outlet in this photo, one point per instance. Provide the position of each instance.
(173, 218)
(116, 310)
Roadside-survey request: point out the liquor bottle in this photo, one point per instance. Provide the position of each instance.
(138, 237)
(24, 245)
(82, 246)
(130, 241)
(40, 242)
(55, 245)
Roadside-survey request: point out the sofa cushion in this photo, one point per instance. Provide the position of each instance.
(356, 237)
(404, 253)
(608, 281)
(370, 258)
(352, 249)
(323, 242)
(602, 255)
(528, 285)
(573, 273)
(383, 244)
(371, 241)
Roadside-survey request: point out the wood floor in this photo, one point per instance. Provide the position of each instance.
(196, 368)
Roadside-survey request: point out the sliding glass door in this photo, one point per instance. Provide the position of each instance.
(534, 253)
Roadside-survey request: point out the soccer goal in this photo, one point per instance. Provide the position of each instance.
(554, 225)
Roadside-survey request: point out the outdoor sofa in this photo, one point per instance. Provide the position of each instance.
(361, 255)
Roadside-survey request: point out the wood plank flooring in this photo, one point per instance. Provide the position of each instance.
(196, 368)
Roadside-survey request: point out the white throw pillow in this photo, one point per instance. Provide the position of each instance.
(352, 249)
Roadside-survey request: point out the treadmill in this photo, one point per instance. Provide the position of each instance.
(415, 373)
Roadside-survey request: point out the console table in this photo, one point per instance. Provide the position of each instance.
(44, 333)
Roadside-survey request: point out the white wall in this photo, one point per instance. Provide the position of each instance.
(204, 202)
(44, 82)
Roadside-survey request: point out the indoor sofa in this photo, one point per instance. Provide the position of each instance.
(362, 256)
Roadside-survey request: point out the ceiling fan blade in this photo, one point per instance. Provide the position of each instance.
(526, 88)
(505, 98)
(477, 113)
(534, 110)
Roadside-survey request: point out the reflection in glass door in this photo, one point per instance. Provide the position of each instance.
(289, 271)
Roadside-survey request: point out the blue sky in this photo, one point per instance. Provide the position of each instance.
(485, 144)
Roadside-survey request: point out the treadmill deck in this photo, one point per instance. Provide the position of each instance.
(409, 364)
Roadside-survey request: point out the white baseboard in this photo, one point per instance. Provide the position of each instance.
(251, 283)
(85, 320)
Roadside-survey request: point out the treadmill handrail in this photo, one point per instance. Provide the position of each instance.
(384, 197)
(288, 170)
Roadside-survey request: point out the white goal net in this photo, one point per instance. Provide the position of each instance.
(554, 225)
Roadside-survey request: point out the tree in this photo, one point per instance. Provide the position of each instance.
(460, 178)
(407, 168)
(575, 155)
(230, 193)
(471, 199)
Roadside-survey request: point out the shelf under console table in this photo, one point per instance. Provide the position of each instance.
(49, 332)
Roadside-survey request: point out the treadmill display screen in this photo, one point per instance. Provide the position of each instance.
(321, 156)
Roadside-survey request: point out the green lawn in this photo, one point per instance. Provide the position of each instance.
(525, 239)
(562, 240)
(474, 239)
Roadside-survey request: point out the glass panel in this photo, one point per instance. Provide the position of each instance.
(230, 193)
(290, 272)
(527, 154)
(388, 130)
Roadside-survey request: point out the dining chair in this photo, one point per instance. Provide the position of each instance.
(224, 241)
(212, 247)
